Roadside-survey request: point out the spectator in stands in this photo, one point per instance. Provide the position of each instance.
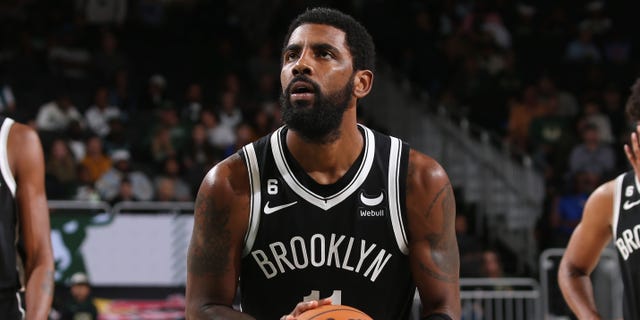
(550, 138)
(491, 264)
(520, 115)
(245, 134)
(229, 113)
(171, 174)
(85, 189)
(60, 170)
(597, 22)
(109, 59)
(469, 246)
(567, 104)
(583, 49)
(592, 114)
(101, 113)
(121, 94)
(567, 208)
(81, 305)
(219, 136)
(57, 115)
(192, 107)
(198, 156)
(125, 192)
(95, 160)
(109, 184)
(118, 138)
(155, 96)
(165, 190)
(592, 155)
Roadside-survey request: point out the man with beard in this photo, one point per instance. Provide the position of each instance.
(324, 210)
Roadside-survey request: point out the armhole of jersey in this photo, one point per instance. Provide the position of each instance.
(254, 203)
(4, 158)
(395, 205)
(617, 196)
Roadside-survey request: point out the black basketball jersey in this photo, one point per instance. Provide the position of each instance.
(8, 215)
(626, 237)
(346, 240)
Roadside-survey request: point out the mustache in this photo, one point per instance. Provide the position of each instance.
(298, 78)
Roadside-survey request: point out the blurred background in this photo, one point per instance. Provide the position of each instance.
(522, 102)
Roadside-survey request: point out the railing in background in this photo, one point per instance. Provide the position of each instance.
(496, 299)
(607, 285)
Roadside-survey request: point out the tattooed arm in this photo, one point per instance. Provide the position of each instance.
(433, 249)
(213, 262)
(27, 163)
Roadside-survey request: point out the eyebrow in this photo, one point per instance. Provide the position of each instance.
(314, 47)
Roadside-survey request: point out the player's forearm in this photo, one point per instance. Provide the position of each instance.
(39, 292)
(578, 293)
(217, 312)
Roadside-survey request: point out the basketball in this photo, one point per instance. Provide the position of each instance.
(334, 312)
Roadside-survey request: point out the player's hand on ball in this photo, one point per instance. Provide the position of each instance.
(304, 306)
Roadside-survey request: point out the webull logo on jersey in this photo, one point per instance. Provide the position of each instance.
(337, 251)
(371, 205)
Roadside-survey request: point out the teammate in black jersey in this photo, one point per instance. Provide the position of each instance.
(612, 211)
(24, 219)
(324, 207)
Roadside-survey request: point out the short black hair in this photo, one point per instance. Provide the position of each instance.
(633, 102)
(358, 40)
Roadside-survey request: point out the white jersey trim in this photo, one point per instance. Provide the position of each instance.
(617, 198)
(5, 169)
(395, 208)
(324, 203)
(254, 211)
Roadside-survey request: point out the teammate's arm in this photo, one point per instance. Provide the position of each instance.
(433, 249)
(213, 262)
(27, 161)
(583, 252)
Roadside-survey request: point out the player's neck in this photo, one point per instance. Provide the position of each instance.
(326, 163)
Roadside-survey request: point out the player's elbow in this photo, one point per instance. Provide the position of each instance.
(205, 310)
(567, 271)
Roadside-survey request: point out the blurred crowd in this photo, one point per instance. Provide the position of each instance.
(137, 99)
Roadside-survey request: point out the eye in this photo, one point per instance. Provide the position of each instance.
(290, 56)
(325, 54)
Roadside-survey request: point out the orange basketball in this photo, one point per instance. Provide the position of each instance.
(334, 312)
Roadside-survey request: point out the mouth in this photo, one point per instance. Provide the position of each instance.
(301, 90)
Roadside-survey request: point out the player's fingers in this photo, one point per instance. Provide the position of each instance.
(324, 301)
(304, 306)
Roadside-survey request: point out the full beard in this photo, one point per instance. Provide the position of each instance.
(320, 122)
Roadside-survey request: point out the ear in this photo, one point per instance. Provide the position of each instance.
(362, 83)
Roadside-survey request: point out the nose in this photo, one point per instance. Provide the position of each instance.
(302, 65)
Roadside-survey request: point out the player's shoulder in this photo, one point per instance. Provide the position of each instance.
(23, 143)
(229, 177)
(423, 168)
(604, 192)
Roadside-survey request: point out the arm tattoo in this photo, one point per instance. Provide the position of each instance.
(444, 251)
(209, 252)
(47, 285)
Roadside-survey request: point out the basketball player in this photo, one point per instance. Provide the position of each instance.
(611, 211)
(324, 210)
(24, 219)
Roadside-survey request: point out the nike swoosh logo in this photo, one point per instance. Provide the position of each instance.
(371, 201)
(270, 210)
(628, 205)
